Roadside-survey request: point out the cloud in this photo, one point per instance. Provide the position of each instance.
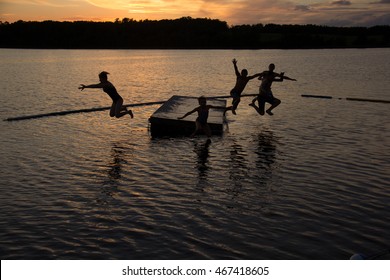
(45, 3)
(234, 12)
(358, 14)
(336, 13)
(147, 6)
(377, 20)
(117, 4)
(260, 11)
(382, 2)
(304, 8)
(342, 3)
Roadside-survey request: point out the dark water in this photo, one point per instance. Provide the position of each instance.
(310, 182)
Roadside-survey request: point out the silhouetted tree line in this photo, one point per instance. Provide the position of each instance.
(185, 33)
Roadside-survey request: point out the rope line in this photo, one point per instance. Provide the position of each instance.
(97, 109)
(62, 113)
(347, 98)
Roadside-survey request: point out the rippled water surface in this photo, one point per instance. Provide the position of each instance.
(310, 182)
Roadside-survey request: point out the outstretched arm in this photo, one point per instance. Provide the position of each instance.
(187, 114)
(283, 77)
(255, 76)
(261, 75)
(217, 107)
(82, 87)
(287, 78)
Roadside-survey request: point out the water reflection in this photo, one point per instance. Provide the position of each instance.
(115, 166)
(238, 168)
(265, 150)
(251, 164)
(114, 174)
(202, 164)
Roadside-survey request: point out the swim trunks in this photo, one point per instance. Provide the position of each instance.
(266, 95)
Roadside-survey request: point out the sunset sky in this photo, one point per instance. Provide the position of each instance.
(234, 12)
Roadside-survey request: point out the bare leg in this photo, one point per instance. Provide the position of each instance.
(120, 110)
(207, 130)
(260, 108)
(227, 109)
(275, 104)
(253, 101)
(112, 110)
(256, 108)
(235, 103)
(130, 112)
(198, 126)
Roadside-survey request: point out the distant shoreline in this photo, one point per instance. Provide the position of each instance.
(186, 33)
(186, 49)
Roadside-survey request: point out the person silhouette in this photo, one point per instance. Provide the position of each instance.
(241, 81)
(203, 114)
(117, 109)
(265, 92)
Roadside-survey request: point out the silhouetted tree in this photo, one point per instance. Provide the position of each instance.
(185, 33)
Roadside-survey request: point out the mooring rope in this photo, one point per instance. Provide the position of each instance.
(347, 98)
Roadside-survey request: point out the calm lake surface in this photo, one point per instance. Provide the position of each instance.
(310, 182)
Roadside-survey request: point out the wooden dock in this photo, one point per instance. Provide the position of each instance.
(164, 121)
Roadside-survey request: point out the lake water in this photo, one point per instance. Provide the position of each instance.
(310, 182)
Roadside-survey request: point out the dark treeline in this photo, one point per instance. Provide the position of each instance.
(185, 33)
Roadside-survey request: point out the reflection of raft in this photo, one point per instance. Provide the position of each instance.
(164, 121)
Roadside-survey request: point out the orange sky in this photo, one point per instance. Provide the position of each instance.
(234, 12)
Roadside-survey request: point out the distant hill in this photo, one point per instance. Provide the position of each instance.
(186, 33)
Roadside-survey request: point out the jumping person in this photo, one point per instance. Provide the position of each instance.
(117, 108)
(241, 81)
(265, 92)
(203, 114)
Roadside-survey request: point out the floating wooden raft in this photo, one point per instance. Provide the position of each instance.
(164, 121)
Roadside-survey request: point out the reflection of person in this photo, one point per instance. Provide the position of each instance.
(202, 164)
(203, 114)
(114, 173)
(265, 92)
(241, 81)
(117, 110)
(202, 151)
